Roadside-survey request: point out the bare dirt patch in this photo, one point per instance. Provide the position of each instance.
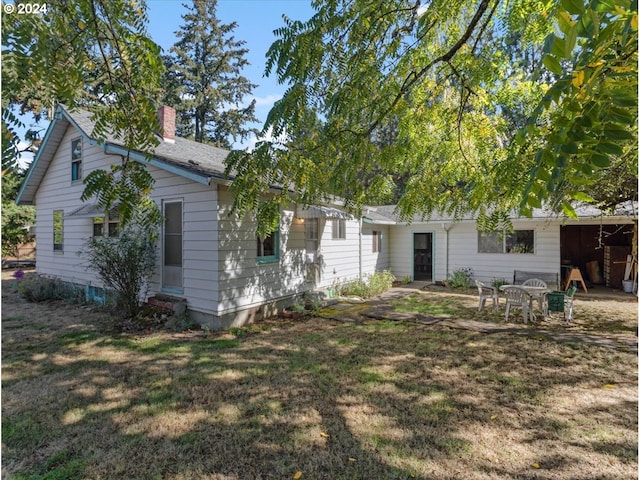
(371, 400)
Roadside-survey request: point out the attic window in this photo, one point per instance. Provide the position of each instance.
(76, 159)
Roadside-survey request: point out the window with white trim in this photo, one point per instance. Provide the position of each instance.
(58, 230)
(112, 222)
(76, 159)
(518, 241)
(338, 229)
(376, 246)
(311, 234)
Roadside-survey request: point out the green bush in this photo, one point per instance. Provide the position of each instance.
(375, 284)
(461, 278)
(355, 288)
(125, 264)
(45, 289)
(381, 282)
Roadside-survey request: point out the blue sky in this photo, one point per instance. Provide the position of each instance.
(256, 19)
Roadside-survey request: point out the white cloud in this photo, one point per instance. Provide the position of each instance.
(267, 101)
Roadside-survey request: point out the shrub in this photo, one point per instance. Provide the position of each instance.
(45, 289)
(381, 282)
(124, 264)
(375, 284)
(461, 278)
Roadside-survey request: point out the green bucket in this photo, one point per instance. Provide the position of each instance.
(556, 301)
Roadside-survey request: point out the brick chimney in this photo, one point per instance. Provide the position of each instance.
(167, 117)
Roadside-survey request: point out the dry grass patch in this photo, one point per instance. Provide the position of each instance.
(380, 400)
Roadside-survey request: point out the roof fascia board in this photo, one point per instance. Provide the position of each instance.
(34, 163)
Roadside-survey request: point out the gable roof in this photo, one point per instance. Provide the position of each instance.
(196, 161)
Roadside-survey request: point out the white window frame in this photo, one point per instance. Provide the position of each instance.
(338, 229)
(376, 243)
(504, 240)
(110, 219)
(76, 161)
(58, 247)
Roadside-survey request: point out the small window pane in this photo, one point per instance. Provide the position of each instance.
(520, 241)
(490, 242)
(173, 217)
(173, 250)
(76, 159)
(338, 229)
(377, 242)
(75, 171)
(98, 229)
(76, 149)
(311, 229)
(114, 229)
(58, 230)
(267, 248)
(269, 245)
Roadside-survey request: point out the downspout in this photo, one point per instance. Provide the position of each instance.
(446, 227)
(360, 248)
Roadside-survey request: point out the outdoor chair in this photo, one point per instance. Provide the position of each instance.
(561, 302)
(517, 297)
(487, 292)
(536, 282)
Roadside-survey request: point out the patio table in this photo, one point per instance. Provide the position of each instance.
(535, 293)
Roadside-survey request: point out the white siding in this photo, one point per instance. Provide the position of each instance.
(374, 261)
(487, 266)
(401, 255)
(199, 240)
(338, 257)
(460, 250)
(244, 282)
(57, 192)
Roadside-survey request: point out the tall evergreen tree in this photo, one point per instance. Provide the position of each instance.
(203, 79)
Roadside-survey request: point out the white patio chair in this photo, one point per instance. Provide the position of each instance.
(536, 282)
(517, 297)
(487, 292)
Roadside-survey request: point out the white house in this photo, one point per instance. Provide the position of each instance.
(207, 256)
(228, 276)
(546, 242)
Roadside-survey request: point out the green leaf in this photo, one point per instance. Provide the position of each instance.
(618, 134)
(570, 41)
(570, 148)
(581, 197)
(552, 64)
(599, 160)
(610, 148)
(574, 7)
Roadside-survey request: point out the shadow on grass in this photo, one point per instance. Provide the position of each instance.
(383, 400)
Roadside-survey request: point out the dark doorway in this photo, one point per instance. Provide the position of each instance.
(423, 256)
(603, 248)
